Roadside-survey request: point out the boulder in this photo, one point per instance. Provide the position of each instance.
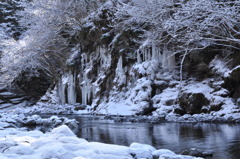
(146, 108)
(197, 152)
(196, 63)
(179, 110)
(192, 103)
(216, 106)
(63, 130)
(33, 85)
(232, 82)
(156, 154)
(235, 74)
(138, 150)
(30, 122)
(158, 86)
(238, 101)
(205, 109)
(79, 106)
(142, 146)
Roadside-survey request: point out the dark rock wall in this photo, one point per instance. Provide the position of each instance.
(114, 62)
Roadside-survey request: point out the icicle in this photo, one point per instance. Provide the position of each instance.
(71, 88)
(168, 60)
(144, 55)
(159, 53)
(120, 65)
(84, 94)
(164, 59)
(61, 93)
(61, 89)
(149, 54)
(171, 62)
(154, 53)
(89, 91)
(105, 59)
(139, 59)
(86, 90)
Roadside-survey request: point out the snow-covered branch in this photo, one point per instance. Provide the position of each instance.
(47, 42)
(191, 23)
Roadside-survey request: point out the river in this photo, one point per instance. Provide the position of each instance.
(222, 139)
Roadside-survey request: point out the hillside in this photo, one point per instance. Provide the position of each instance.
(177, 60)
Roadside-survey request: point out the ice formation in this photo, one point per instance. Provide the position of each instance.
(149, 59)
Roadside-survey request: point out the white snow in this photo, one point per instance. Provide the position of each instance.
(200, 87)
(162, 151)
(61, 143)
(63, 130)
(116, 108)
(219, 66)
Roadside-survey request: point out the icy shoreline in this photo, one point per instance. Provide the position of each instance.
(53, 109)
(12, 124)
(62, 143)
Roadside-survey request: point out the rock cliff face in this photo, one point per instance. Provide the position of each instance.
(114, 74)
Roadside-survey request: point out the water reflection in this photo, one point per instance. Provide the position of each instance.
(222, 139)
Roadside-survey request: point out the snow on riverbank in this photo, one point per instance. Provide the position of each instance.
(45, 108)
(61, 143)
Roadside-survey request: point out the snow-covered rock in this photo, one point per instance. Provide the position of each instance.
(63, 130)
(61, 143)
(161, 152)
(142, 146)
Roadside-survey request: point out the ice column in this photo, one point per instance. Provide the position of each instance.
(168, 59)
(120, 65)
(72, 88)
(121, 77)
(87, 90)
(61, 91)
(165, 57)
(139, 59)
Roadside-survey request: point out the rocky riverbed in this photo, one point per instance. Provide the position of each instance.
(56, 109)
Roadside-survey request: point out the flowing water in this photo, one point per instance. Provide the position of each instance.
(222, 139)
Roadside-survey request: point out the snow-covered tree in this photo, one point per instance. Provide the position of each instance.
(9, 26)
(9, 19)
(182, 25)
(179, 26)
(51, 28)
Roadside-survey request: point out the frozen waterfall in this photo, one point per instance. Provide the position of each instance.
(66, 88)
(161, 55)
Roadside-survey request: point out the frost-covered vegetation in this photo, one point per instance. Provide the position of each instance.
(155, 57)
